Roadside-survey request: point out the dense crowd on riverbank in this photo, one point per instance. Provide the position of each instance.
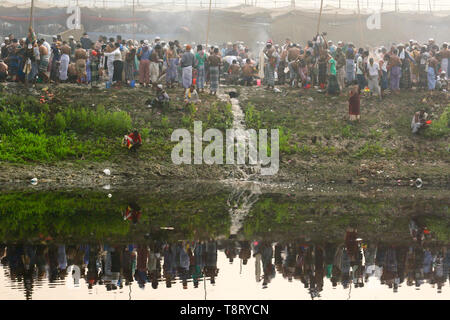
(318, 63)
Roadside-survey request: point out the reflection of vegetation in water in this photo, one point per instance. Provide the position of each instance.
(26, 216)
(203, 215)
(328, 217)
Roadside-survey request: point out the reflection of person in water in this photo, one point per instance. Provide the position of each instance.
(170, 264)
(268, 267)
(245, 251)
(154, 266)
(197, 262)
(390, 268)
(132, 213)
(330, 250)
(290, 266)
(141, 265)
(230, 250)
(210, 269)
(93, 264)
(184, 263)
(370, 252)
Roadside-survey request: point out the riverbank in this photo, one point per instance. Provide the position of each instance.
(317, 143)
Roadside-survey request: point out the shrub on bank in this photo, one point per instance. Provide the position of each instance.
(439, 127)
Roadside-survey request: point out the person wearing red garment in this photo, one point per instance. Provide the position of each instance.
(132, 141)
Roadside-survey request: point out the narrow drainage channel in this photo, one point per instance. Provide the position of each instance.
(243, 179)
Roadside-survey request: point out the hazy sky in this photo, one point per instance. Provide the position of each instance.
(405, 5)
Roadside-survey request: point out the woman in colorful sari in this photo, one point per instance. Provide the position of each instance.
(406, 59)
(432, 71)
(130, 63)
(354, 103)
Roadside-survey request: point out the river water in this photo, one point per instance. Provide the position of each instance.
(170, 241)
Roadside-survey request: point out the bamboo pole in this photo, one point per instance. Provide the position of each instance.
(320, 16)
(134, 25)
(31, 13)
(209, 20)
(360, 25)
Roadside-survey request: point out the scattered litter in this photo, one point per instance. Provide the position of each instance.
(310, 99)
(167, 228)
(107, 187)
(109, 195)
(309, 189)
(107, 172)
(34, 181)
(276, 90)
(308, 221)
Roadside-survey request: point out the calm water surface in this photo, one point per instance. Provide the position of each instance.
(224, 243)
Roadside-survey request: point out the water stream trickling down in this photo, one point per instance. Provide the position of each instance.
(244, 178)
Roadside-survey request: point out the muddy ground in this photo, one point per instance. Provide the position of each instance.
(322, 143)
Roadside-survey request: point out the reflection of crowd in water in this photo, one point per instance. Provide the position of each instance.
(350, 264)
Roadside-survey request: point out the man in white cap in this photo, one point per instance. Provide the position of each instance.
(157, 41)
(162, 98)
(442, 82)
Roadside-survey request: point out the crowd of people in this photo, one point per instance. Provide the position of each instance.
(332, 69)
(350, 264)
(317, 63)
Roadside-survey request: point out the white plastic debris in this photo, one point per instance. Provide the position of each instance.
(107, 187)
(107, 172)
(418, 183)
(167, 228)
(309, 189)
(310, 99)
(276, 90)
(34, 181)
(109, 195)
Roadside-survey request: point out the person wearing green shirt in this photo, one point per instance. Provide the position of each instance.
(333, 86)
(200, 58)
